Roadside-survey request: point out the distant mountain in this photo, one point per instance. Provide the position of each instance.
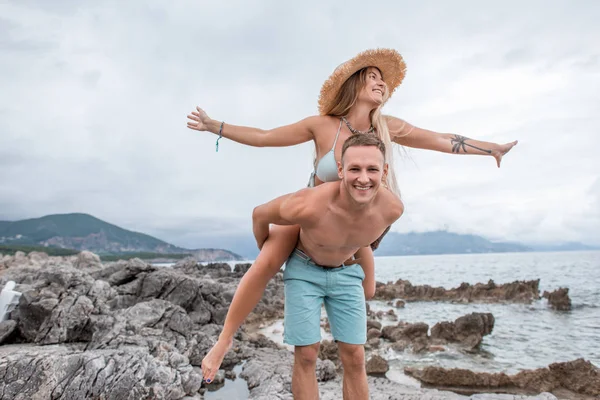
(85, 232)
(569, 246)
(398, 244)
(442, 242)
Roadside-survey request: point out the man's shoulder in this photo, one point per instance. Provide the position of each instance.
(390, 205)
(306, 203)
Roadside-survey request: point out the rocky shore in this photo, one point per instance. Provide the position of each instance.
(514, 292)
(130, 330)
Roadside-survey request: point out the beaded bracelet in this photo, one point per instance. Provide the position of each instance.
(220, 135)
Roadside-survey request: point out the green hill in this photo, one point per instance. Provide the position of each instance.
(84, 232)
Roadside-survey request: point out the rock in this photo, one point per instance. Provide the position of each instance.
(87, 259)
(514, 292)
(559, 299)
(377, 366)
(418, 330)
(219, 378)
(56, 309)
(434, 349)
(326, 371)
(578, 376)
(72, 373)
(372, 343)
(241, 269)
(373, 324)
(392, 315)
(6, 329)
(471, 328)
(444, 331)
(329, 351)
(373, 333)
(230, 375)
(400, 304)
(467, 330)
(131, 330)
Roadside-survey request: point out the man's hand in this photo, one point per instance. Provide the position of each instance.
(502, 150)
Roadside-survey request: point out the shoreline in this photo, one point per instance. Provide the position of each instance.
(86, 325)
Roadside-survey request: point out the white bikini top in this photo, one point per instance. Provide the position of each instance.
(327, 170)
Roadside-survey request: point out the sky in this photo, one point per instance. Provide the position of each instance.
(94, 99)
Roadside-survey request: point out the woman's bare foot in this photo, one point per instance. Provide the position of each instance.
(214, 358)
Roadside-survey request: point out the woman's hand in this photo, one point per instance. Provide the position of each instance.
(198, 120)
(501, 150)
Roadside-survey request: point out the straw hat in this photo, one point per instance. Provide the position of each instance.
(389, 61)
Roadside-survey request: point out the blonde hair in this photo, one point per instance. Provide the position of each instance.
(345, 100)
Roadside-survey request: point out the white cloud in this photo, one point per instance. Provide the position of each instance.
(92, 116)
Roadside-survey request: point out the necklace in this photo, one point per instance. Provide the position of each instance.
(356, 131)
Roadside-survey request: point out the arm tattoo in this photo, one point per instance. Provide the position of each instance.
(459, 142)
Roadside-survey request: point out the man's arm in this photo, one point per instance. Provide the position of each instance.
(289, 209)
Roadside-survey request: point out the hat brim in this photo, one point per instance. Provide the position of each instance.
(388, 61)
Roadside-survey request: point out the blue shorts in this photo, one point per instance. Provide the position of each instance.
(308, 286)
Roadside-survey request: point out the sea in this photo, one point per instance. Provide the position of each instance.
(525, 336)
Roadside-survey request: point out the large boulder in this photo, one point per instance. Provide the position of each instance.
(559, 299)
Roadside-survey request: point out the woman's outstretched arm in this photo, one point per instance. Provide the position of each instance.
(288, 135)
(411, 136)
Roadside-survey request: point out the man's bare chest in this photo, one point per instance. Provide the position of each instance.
(345, 231)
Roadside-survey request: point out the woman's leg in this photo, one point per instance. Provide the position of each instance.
(366, 259)
(276, 250)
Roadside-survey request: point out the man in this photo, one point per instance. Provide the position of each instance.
(336, 219)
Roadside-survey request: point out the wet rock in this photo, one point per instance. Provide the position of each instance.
(392, 315)
(230, 375)
(219, 378)
(578, 376)
(444, 332)
(468, 330)
(373, 324)
(414, 331)
(435, 348)
(559, 299)
(400, 304)
(373, 333)
(514, 292)
(372, 343)
(377, 366)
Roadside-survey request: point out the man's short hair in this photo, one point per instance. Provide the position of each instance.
(363, 139)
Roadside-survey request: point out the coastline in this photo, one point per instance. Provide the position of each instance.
(128, 328)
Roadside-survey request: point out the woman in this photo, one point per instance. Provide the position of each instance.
(350, 102)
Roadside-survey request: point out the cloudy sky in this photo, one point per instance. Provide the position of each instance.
(94, 98)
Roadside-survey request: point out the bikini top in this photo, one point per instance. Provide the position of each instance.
(327, 170)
